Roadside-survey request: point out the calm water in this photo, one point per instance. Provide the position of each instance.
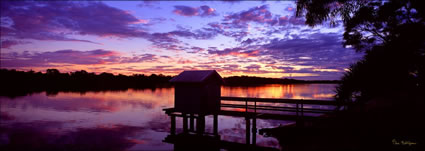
(125, 120)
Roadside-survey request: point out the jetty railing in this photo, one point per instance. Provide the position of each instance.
(291, 105)
(298, 108)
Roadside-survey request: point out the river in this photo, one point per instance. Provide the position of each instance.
(125, 120)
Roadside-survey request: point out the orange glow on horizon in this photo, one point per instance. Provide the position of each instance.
(172, 71)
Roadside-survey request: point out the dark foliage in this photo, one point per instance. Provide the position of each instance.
(391, 33)
(20, 83)
(387, 84)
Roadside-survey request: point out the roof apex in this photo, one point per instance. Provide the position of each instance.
(195, 76)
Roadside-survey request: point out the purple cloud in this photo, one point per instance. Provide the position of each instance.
(317, 54)
(72, 57)
(139, 58)
(223, 29)
(164, 69)
(207, 11)
(9, 43)
(60, 20)
(253, 67)
(230, 66)
(169, 40)
(241, 20)
(149, 4)
(44, 59)
(57, 20)
(202, 11)
(186, 11)
(321, 50)
(226, 51)
(284, 20)
(231, 1)
(243, 52)
(195, 50)
(261, 15)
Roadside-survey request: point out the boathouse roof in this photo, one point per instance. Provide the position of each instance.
(196, 76)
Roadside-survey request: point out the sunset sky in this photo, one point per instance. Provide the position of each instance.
(254, 38)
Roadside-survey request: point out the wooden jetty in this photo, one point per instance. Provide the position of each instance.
(293, 110)
(198, 94)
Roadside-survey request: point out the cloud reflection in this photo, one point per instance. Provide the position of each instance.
(40, 136)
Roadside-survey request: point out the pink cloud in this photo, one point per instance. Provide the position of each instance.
(290, 9)
(184, 61)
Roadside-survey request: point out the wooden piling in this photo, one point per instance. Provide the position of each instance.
(191, 122)
(200, 124)
(248, 125)
(254, 131)
(185, 130)
(215, 123)
(173, 125)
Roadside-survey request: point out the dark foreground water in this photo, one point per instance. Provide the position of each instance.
(124, 120)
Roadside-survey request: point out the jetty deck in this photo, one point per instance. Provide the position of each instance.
(293, 110)
(251, 109)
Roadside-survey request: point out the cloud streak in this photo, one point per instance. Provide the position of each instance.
(71, 57)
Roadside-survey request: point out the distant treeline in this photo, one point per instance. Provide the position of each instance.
(248, 80)
(19, 83)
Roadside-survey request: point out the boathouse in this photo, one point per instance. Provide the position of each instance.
(197, 91)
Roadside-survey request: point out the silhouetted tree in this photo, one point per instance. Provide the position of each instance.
(52, 72)
(390, 33)
(19, 83)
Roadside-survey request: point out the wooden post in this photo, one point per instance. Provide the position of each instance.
(200, 124)
(173, 125)
(296, 108)
(215, 123)
(255, 107)
(254, 130)
(254, 125)
(185, 130)
(246, 106)
(191, 122)
(297, 122)
(248, 125)
(302, 109)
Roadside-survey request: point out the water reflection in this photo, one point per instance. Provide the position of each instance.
(293, 91)
(123, 120)
(42, 135)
